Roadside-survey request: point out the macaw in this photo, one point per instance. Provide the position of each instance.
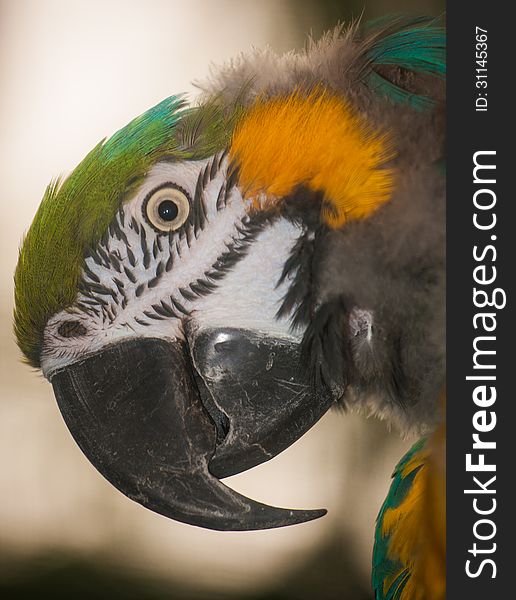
(213, 278)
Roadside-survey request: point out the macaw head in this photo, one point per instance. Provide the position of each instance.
(210, 280)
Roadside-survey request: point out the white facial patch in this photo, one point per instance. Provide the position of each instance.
(219, 269)
(249, 297)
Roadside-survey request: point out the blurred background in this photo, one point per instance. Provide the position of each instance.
(72, 72)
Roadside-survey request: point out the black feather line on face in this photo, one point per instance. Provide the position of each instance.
(130, 255)
(119, 284)
(90, 310)
(157, 308)
(187, 295)
(231, 183)
(130, 275)
(141, 322)
(178, 306)
(221, 198)
(115, 262)
(98, 288)
(90, 275)
(299, 299)
(239, 245)
(152, 283)
(160, 269)
(222, 156)
(145, 248)
(103, 257)
(135, 226)
(303, 208)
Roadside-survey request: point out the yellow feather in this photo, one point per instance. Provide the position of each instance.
(319, 141)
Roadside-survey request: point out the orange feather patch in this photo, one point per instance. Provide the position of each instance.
(318, 141)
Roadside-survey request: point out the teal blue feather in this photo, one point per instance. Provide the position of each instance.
(417, 45)
(147, 132)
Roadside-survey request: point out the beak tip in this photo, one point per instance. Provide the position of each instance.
(276, 518)
(316, 513)
(296, 517)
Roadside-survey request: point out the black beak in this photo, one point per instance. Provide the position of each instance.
(151, 425)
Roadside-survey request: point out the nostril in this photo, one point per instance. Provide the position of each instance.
(71, 329)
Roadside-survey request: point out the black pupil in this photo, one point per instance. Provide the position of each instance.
(167, 210)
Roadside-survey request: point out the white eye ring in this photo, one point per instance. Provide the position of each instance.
(166, 208)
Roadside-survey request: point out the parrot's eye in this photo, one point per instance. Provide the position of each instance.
(166, 208)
